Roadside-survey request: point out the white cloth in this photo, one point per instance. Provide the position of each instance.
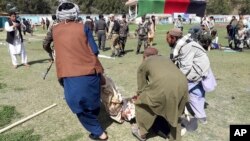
(23, 57)
(111, 24)
(215, 40)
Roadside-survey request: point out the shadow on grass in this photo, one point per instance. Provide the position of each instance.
(20, 136)
(129, 50)
(38, 61)
(19, 89)
(104, 118)
(107, 48)
(154, 44)
(73, 137)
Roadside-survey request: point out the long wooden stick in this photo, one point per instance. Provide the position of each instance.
(25, 119)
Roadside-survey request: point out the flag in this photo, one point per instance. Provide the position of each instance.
(172, 6)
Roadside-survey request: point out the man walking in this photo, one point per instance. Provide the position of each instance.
(142, 32)
(78, 69)
(123, 33)
(101, 28)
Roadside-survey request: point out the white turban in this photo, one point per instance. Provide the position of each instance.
(67, 14)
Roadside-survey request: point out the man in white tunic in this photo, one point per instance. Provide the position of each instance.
(15, 40)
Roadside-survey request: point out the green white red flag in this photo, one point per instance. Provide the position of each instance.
(172, 6)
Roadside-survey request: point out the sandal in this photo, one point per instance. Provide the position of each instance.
(136, 133)
(97, 138)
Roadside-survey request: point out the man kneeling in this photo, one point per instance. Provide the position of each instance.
(162, 92)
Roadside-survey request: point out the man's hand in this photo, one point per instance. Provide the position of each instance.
(51, 56)
(16, 24)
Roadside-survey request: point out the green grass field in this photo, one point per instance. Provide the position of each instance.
(25, 89)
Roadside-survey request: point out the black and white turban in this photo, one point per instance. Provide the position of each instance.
(67, 11)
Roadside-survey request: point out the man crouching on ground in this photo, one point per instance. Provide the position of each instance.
(162, 91)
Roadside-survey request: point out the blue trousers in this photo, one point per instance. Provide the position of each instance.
(82, 95)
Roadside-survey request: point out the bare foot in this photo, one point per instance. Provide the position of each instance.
(103, 136)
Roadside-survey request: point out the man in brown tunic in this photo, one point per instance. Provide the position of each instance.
(162, 91)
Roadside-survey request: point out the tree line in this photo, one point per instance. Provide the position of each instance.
(50, 6)
(225, 7)
(112, 6)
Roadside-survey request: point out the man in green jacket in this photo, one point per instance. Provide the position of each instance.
(162, 91)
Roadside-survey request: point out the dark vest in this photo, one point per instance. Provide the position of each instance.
(11, 35)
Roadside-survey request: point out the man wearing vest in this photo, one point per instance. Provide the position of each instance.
(78, 69)
(15, 40)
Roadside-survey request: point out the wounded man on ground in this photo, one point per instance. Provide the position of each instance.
(119, 109)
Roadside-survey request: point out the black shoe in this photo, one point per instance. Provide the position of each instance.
(112, 55)
(91, 136)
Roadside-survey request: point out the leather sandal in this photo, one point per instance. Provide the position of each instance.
(136, 133)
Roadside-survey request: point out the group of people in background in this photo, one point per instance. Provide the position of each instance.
(117, 31)
(239, 33)
(45, 23)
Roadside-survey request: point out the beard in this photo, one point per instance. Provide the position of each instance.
(171, 45)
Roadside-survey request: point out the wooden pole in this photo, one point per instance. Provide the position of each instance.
(25, 119)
